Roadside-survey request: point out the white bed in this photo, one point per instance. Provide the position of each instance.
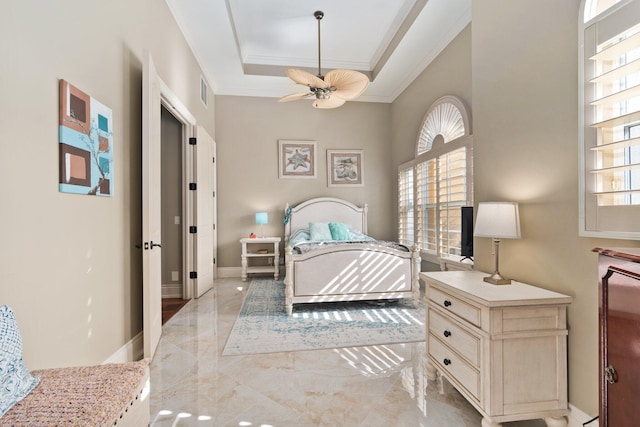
(349, 271)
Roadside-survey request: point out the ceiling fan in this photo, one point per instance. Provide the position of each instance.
(332, 90)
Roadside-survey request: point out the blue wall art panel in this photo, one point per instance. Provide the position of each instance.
(86, 143)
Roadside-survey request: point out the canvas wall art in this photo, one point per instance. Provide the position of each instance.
(297, 159)
(345, 168)
(86, 143)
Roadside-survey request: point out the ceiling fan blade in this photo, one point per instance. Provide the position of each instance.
(333, 102)
(349, 84)
(295, 96)
(304, 78)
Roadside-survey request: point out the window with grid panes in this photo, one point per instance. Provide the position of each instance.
(610, 125)
(442, 179)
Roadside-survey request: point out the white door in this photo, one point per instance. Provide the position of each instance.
(151, 229)
(205, 211)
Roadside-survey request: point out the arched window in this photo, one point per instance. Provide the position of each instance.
(447, 117)
(438, 182)
(609, 129)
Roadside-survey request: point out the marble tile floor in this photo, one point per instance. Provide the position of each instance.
(193, 385)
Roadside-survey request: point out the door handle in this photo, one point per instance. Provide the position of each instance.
(153, 245)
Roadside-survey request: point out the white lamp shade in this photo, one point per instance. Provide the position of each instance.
(262, 218)
(497, 220)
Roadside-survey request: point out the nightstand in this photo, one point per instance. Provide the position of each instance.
(260, 247)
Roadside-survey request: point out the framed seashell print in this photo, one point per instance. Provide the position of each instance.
(345, 168)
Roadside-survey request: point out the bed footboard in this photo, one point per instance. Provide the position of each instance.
(351, 273)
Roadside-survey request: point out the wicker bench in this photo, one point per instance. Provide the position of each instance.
(88, 396)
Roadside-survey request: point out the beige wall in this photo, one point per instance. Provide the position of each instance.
(526, 150)
(448, 74)
(247, 134)
(68, 266)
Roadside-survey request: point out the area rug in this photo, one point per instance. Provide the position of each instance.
(262, 326)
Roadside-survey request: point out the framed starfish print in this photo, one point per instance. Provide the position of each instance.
(297, 159)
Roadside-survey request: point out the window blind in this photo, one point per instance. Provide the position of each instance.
(616, 118)
(452, 195)
(610, 123)
(405, 206)
(426, 204)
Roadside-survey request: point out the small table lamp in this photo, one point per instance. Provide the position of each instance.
(498, 220)
(262, 218)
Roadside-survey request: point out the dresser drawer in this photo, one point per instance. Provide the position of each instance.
(457, 368)
(463, 342)
(462, 309)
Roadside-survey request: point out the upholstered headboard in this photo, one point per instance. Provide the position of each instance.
(325, 209)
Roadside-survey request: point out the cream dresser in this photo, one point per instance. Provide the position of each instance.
(504, 347)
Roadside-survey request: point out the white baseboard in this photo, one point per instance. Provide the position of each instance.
(173, 290)
(130, 352)
(224, 272)
(577, 418)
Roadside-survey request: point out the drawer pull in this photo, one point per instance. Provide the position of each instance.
(447, 303)
(447, 334)
(446, 362)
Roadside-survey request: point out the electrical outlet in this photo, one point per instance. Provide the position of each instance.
(176, 220)
(175, 276)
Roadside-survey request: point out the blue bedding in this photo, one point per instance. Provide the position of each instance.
(301, 241)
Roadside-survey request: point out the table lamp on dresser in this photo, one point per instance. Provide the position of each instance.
(497, 220)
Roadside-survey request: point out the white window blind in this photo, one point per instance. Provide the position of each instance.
(610, 191)
(405, 206)
(442, 188)
(426, 204)
(452, 195)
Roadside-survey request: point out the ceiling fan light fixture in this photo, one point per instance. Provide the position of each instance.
(332, 90)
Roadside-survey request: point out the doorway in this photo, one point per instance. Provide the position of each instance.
(198, 205)
(171, 217)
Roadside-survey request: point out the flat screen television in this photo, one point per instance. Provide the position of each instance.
(466, 239)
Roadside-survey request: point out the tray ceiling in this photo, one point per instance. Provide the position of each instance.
(245, 46)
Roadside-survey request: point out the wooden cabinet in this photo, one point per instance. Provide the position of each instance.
(260, 247)
(619, 290)
(504, 348)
